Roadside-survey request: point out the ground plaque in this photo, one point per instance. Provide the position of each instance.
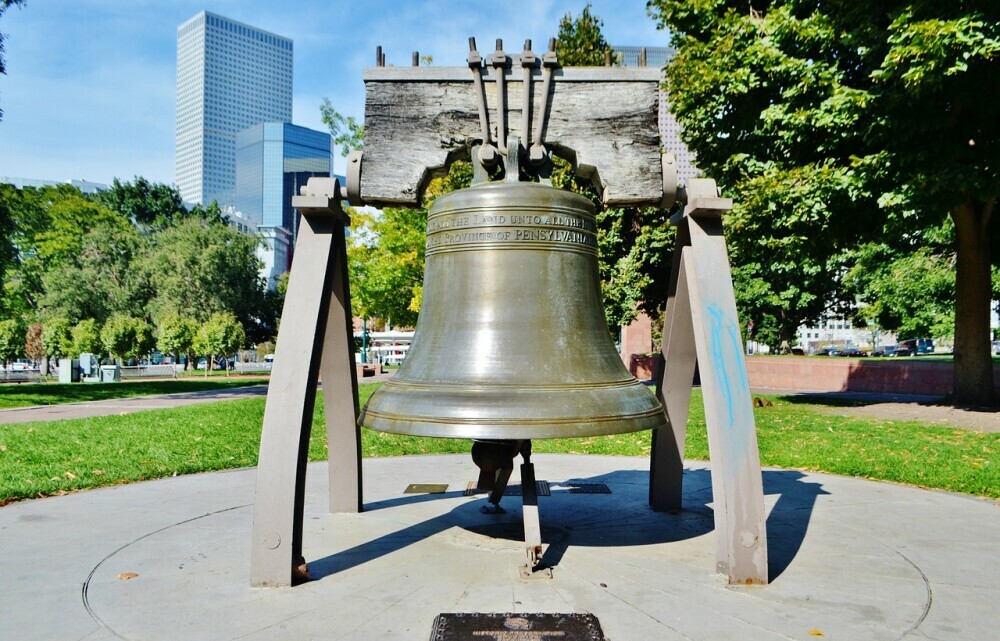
(516, 627)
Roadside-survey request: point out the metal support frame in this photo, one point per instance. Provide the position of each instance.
(701, 327)
(315, 337)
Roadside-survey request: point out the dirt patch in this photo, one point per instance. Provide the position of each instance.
(938, 415)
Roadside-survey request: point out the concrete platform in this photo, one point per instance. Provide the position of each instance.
(850, 559)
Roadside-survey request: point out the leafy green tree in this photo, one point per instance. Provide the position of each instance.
(581, 42)
(221, 335)
(125, 337)
(198, 268)
(86, 337)
(175, 335)
(346, 131)
(911, 293)
(33, 347)
(873, 113)
(144, 203)
(386, 259)
(634, 245)
(11, 340)
(100, 279)
(57, 338)
(53, 227)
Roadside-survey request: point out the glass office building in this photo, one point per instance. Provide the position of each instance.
(274, 160)
(229, 76)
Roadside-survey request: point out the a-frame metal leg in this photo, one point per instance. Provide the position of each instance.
(340, 391)
(674, 381)
(737, 485)
(315, 333)
(701, 326)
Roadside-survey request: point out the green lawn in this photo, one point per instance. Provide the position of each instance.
(29, 394)
(39, 459)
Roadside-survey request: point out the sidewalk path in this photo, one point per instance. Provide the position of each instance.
(89, 409)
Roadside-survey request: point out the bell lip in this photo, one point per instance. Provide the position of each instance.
(472, 429)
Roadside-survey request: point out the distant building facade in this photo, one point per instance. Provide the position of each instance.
(230, 76)
(670, 130)
(274, 160)
(84, 186)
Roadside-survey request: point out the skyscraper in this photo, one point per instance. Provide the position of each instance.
(229, 76)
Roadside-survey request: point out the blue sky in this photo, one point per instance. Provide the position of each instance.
(89, 90)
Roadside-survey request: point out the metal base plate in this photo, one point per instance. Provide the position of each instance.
(541, 489)
(523, 627)
(589, 488)
(426, 488)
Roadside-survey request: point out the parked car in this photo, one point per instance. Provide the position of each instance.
(885, 350)
(915, 347)
(853, 352)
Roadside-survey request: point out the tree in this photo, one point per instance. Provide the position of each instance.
(53, 227)
(634, 245)
(873, 113)
(144, 203)
(33, 347)
(100, 279)
(86, 337)
(57, 339)
(580, 42)
(221, 335)
(197, 268)
(4, 5)
(175, 335)
(11, 340)
(346, 131)
(386, 262)
(125, 337)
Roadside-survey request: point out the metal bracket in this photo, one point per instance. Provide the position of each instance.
(320, 196)
(701, 200)
(354, 159)
(668, 165)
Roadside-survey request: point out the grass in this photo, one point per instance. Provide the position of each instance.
(39, 459)
(29, 394)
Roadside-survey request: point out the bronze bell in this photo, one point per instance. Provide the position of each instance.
(511, 342)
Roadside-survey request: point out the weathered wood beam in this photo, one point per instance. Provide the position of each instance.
(419, 119)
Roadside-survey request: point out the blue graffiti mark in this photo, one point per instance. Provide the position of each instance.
(717, 319)
(727, 358)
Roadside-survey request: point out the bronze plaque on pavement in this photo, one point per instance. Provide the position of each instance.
(516, 627)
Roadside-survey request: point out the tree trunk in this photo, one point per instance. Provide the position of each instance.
(973, 354)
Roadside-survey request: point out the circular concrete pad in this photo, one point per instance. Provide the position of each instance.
(850, 559)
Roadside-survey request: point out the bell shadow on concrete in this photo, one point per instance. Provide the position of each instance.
(619, 519)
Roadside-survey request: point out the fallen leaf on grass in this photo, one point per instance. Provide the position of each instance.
(125, 576)
(69, 475)
(97, 472)
(3, 448)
